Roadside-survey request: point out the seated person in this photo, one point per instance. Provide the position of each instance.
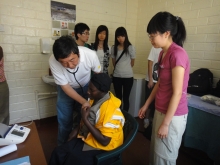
(100, 130)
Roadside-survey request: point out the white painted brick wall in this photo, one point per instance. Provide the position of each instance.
(26, 21)
(202, 20)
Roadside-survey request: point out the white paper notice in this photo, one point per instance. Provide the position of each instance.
(8, 149)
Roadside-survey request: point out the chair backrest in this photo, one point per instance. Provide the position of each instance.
(130, 130)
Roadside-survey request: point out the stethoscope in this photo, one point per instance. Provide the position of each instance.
(75, 78)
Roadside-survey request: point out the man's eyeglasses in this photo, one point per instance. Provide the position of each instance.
(86, 33)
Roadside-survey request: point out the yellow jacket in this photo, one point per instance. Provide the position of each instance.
(110, 122)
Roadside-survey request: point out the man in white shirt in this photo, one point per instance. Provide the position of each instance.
(71, 67)
(151, 80)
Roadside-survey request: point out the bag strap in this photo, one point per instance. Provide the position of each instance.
(118, 60)
(119, 57)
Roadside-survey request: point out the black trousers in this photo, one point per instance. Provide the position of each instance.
(122, 87)
(152, 105)
(71, 153)
(4, 103)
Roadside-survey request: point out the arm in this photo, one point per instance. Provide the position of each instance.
(1, 53)
(103, 140)
(113, 62)
(74, 133)
(177, 84)
(132, 53)
(74, 95)
(113, 56)
(143, 109)
(150, 74)
(132, 62)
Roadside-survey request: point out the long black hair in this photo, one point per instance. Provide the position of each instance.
(121, 31)
(165, 21)
(100, 29)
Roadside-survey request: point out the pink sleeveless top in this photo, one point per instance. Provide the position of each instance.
(2, 74)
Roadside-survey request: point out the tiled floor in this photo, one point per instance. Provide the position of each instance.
(136, 154)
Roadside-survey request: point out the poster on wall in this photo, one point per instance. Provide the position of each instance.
(63, 19)
(63, 12)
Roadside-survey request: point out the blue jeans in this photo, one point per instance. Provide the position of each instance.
(65, 108)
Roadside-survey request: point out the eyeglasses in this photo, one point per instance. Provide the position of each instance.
(86, 33)
(151, 37)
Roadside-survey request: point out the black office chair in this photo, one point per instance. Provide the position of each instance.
(130, 130)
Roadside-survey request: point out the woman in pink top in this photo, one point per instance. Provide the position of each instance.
(168, 32)
(4, 93)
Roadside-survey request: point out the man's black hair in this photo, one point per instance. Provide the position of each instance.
(64, 46)
(80, 28)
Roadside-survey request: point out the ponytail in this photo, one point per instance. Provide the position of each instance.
(165, 21)
(180, 35)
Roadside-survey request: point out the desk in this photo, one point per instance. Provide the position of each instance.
(203, 128)
(30, 147)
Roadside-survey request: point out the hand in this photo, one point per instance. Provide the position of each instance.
(142, 112)
(86, 105)
(85, 114)
(73, 134)
(150, 84)
(163, 131)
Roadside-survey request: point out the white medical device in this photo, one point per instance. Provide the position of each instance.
(13, 135)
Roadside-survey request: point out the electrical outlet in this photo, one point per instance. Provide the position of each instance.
(2, 28)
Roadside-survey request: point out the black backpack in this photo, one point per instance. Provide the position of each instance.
(200, 82)
(216, 91)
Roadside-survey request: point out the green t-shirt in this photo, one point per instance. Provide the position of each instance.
(88, 46)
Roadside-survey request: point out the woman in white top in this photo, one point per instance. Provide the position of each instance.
(101, 47)
(123, 73)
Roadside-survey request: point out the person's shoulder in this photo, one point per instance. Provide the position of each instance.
(178, 52)
(178, 49)
(52, 58)
(87, 45)
(86, 51)
(131, 47)
(53, 62)
(83, 48)
(156, 50)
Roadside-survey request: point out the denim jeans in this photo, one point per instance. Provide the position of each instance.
(66, 106)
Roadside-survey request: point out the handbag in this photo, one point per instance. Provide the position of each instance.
(216, 90)
(116, 63)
